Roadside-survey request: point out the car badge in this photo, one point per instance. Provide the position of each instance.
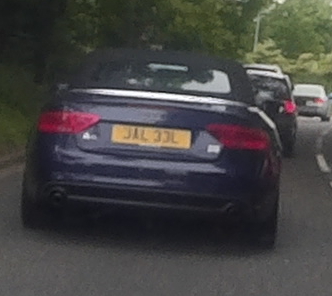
(88, 136)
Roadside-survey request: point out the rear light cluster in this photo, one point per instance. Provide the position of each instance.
(240, 137)
(319, 101)
(66, 122)
(289, 107)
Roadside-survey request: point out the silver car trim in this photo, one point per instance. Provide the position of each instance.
(157, 96)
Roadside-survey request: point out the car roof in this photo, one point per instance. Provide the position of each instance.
(241, 89)
(267, 74)
(264, 67)
(309, 85)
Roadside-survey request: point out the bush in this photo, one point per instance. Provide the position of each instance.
(20, 100)
(307, 68)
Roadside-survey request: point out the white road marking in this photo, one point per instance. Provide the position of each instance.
(321, 161)
(320, 140)
(326, 132)
(322, 164)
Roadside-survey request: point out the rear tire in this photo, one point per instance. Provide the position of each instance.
(35, 215)
(289, 148)
(31, 212)
(264, 234)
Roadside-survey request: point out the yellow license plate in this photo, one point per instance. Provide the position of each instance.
(151, 136)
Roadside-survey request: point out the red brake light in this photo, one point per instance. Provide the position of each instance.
(290, 107)
(66, 122)
(240, 137)
(319, 101)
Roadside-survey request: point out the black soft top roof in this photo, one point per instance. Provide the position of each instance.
(241, 89)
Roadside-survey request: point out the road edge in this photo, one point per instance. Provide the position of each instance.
(12, 159)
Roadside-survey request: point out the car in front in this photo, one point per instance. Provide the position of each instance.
(312, 100)
(158, 130)
(270, 68)
(276, 99)
(264, 67)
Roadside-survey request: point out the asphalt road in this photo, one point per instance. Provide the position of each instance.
(173, 256)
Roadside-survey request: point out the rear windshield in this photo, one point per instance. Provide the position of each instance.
(275, 88)
(309, 90)
(174, 78)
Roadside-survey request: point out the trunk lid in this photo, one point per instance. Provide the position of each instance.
(155, 128)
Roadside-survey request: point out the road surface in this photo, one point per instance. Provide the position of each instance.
(158, 257)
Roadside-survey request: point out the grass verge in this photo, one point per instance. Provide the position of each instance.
(20, 101)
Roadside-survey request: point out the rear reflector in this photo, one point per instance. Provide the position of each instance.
(66, 122)
(240, 137)
(290, 107)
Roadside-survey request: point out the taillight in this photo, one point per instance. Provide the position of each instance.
(66, 122)
(290, 107)
(319, 101)
(240, 137)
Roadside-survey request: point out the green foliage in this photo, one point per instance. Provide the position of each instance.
(300, 26)
(268, 53)
(47, 35)
(238, 19)
(198, 26)
(307, 68)
(20, 100)
(27, 32)
(13, 129)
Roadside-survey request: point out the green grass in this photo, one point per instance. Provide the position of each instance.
(20, 101)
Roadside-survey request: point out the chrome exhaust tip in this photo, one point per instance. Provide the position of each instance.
(57, 197)
(231, 210)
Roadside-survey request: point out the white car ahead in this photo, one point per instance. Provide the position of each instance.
(311, 100)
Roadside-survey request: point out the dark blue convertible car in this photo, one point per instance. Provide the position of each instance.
(155, 129)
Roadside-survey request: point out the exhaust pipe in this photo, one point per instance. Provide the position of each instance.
(57, 197)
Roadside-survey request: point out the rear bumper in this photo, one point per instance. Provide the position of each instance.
(107, 197)
(312, 111)
(78, 178)
(250, 201)
(134, 197)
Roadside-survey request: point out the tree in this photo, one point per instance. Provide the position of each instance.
(43, 34)
(300, 26)
(268, 53)
(27, 30)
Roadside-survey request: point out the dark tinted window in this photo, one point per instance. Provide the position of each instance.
(309, 90)
(163, 77)
(163, 71)
(275, 88)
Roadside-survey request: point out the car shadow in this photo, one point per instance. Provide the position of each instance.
(154, 233)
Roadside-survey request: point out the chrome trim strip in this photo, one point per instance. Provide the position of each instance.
(157, 96)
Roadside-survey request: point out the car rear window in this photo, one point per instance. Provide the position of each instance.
(163, 71)
(308, 90)
(164, 77)
(276, 88)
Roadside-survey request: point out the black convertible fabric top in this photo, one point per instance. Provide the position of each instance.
(241, 89)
